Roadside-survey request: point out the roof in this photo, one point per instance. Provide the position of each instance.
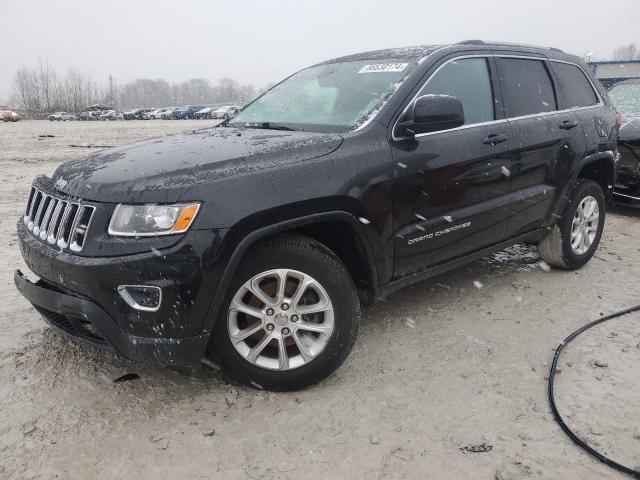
(417, 52)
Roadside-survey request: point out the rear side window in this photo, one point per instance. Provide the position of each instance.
(575, 85)
(468, 80)
(526, 87)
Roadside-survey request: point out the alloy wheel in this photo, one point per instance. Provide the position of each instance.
(280, 319)
(584, 227)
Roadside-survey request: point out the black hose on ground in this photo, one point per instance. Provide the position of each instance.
(554, 409)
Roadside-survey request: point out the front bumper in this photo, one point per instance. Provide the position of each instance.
(79, 295)
(83, 320)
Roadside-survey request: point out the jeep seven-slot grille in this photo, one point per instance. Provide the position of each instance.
(58, 221)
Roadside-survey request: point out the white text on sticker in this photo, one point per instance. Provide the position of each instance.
(383, 68)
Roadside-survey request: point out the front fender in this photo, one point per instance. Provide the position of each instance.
(249, 238)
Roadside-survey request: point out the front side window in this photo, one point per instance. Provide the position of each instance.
(469, 80)
(332, 97)
(575, 85)
(527, 87)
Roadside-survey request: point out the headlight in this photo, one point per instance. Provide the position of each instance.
(150, 220)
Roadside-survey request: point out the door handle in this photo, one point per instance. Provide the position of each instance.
(494, 139)
(568, 124)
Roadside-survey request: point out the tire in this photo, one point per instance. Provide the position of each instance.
(556, 248)
(294, 255)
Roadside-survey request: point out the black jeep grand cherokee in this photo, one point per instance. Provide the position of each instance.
(255, 241)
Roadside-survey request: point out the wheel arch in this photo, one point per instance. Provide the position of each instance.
(599, 167)
(328, 228)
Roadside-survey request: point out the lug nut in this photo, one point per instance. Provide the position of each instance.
(294, 318)
(285, 331)
(285, 306)
(269, 311)
(270, 327)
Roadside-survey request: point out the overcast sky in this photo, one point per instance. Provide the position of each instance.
(261, 41)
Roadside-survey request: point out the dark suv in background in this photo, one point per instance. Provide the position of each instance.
(186, 112)
(254, 242)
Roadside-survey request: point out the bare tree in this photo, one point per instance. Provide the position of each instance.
(74, 89)
(47, 81)
(111, 94)
(40, 91)
(25, 83)
(627, 52)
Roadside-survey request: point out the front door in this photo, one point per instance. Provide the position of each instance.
(450, 196)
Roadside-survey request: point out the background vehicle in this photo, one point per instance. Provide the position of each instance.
(167, 114)
(203, 113)
(88, 115)
(626, 98)
(57, 116)
(611, 72)
(134, 114)
(8, 115)
(224, 113)
(188, 111)
(256, 241)
(111, 115)
(154, 114)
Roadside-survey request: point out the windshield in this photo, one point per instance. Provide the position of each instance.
(626, 99)
(332, 97)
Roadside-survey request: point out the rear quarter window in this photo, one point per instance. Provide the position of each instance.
(527, 87)
(577, 89)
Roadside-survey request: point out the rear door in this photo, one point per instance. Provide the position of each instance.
(451, 190)
(578, 95)
(547, 141)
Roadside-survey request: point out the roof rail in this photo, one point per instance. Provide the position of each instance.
(506, 44)
(471, 42)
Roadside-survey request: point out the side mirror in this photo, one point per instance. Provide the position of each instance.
(432, 113)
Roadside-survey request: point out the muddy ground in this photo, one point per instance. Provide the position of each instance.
(438, 367)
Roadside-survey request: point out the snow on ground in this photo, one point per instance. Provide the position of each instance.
(441, 371)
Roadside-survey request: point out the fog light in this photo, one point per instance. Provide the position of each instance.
(141, 297)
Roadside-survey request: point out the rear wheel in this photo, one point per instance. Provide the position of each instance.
(575, 238)
(290, 317)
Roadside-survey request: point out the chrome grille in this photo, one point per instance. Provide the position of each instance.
(57, 221)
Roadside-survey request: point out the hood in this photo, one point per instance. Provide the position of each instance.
(164, 169)
(630, 130)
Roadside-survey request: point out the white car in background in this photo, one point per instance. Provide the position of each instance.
(155, 114)
(8, 115)
(57, 116)
(111, 115)
(61, 116)
(224, 113)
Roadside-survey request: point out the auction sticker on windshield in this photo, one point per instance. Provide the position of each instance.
(383, 68)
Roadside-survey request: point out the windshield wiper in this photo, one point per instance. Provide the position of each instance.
(270, 126)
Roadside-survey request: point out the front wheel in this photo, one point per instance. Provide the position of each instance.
(574, 239)
(290, 317)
